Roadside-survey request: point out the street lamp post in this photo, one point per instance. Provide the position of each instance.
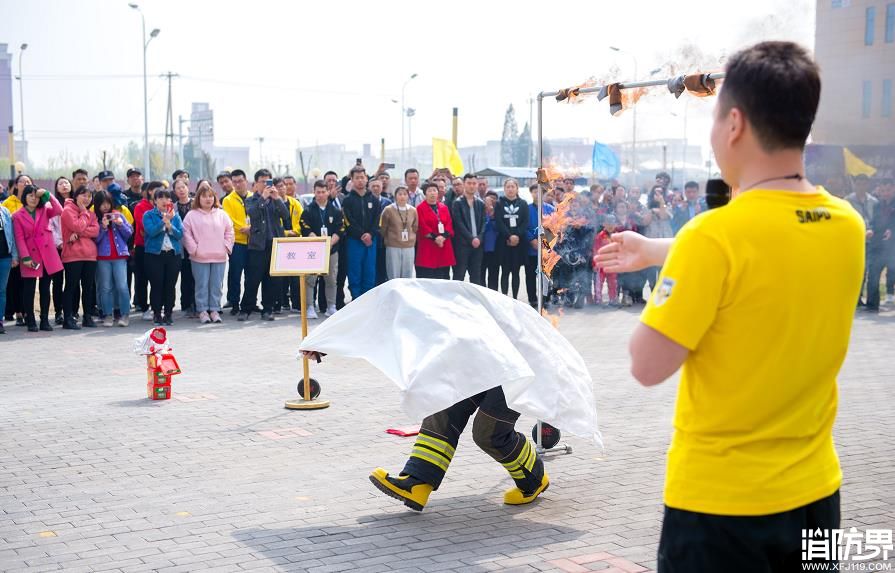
(404, 111)
(634, 128)
(21, 96)
(153, 34)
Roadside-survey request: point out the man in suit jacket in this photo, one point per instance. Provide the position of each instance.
(468, 214)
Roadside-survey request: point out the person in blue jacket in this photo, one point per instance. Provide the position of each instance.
(531, 262)
(163, 231)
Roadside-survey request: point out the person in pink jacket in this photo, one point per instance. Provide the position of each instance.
(208, 238)
(79, 229)
(37, 251)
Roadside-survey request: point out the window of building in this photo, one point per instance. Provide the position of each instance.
(869, 25)
(890, 23)
(887, 98)
(868, 94)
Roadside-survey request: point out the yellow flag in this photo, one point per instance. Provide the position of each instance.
(444, 154)
(854, 165)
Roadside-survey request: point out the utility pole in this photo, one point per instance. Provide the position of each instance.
(169, 125)
(180, 121)
(260, 150)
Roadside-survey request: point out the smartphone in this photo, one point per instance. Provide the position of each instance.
(170, 207)
(268, 183)
(359, 161)
(388, 165)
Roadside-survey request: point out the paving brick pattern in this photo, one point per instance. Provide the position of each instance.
(95, 477)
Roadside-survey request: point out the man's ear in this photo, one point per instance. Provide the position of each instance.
(736, 126)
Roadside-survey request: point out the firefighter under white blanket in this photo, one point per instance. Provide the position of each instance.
(443, 341)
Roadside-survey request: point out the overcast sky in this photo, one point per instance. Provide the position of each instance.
(326, 71)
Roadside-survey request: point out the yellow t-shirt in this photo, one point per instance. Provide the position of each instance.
(762, 292)
(295, 210)
(234, 206)
(12, 204)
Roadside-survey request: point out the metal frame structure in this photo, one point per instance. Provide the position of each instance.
(565, 448)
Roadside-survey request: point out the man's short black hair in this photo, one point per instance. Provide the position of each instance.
(776, 85)
(409, 171)
(355, 170)
(77, 172)
(328, 173)
(238, 173)
(469, 176)
(223, 175)
(691, 184)
(277, 181)
(427, 184)
(178, 172)
(288, 178)
(319, 184)
(262, 173)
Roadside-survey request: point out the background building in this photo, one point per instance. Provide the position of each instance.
(855, 47)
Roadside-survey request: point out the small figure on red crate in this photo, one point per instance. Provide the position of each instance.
(160, 362)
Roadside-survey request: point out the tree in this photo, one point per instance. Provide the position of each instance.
(523, 150)
(509, 139)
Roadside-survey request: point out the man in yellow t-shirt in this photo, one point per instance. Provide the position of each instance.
(752, 462)
(234, 205)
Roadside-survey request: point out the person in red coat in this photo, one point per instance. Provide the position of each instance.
(37, 251)
(434, 253)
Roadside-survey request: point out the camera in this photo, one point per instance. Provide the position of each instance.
(717, 193)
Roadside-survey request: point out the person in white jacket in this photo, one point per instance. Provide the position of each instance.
(208, 238)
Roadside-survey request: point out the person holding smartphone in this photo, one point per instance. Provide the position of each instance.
(37, 251)
(79, 229)
(112, 255)
(163, 233)
(267, 212)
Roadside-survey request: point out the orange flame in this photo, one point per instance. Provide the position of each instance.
(632, 96)
(553, 318)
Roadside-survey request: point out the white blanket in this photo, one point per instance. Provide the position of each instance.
(443, 341)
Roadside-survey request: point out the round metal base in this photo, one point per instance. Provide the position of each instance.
(302, 404)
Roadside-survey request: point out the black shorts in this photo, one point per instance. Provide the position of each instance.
(704, 543)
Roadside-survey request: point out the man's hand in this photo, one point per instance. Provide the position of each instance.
(15, 263)
(334, 241)
(630, 251)
(475, 243)
(869, 233)
(366, 239)
(887, 235)
(312, 355)
(439, 240)
(513, 240)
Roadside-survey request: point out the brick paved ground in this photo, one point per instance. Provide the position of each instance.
(94, 477)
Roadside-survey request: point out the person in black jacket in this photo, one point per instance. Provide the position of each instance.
(320, 219)
(511, 218)
(361, 211)
(468, 214)
(266, 212)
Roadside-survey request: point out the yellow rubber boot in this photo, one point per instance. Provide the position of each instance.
(413, 492)
(516, 496)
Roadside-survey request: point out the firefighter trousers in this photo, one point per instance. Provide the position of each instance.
(493, 430)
